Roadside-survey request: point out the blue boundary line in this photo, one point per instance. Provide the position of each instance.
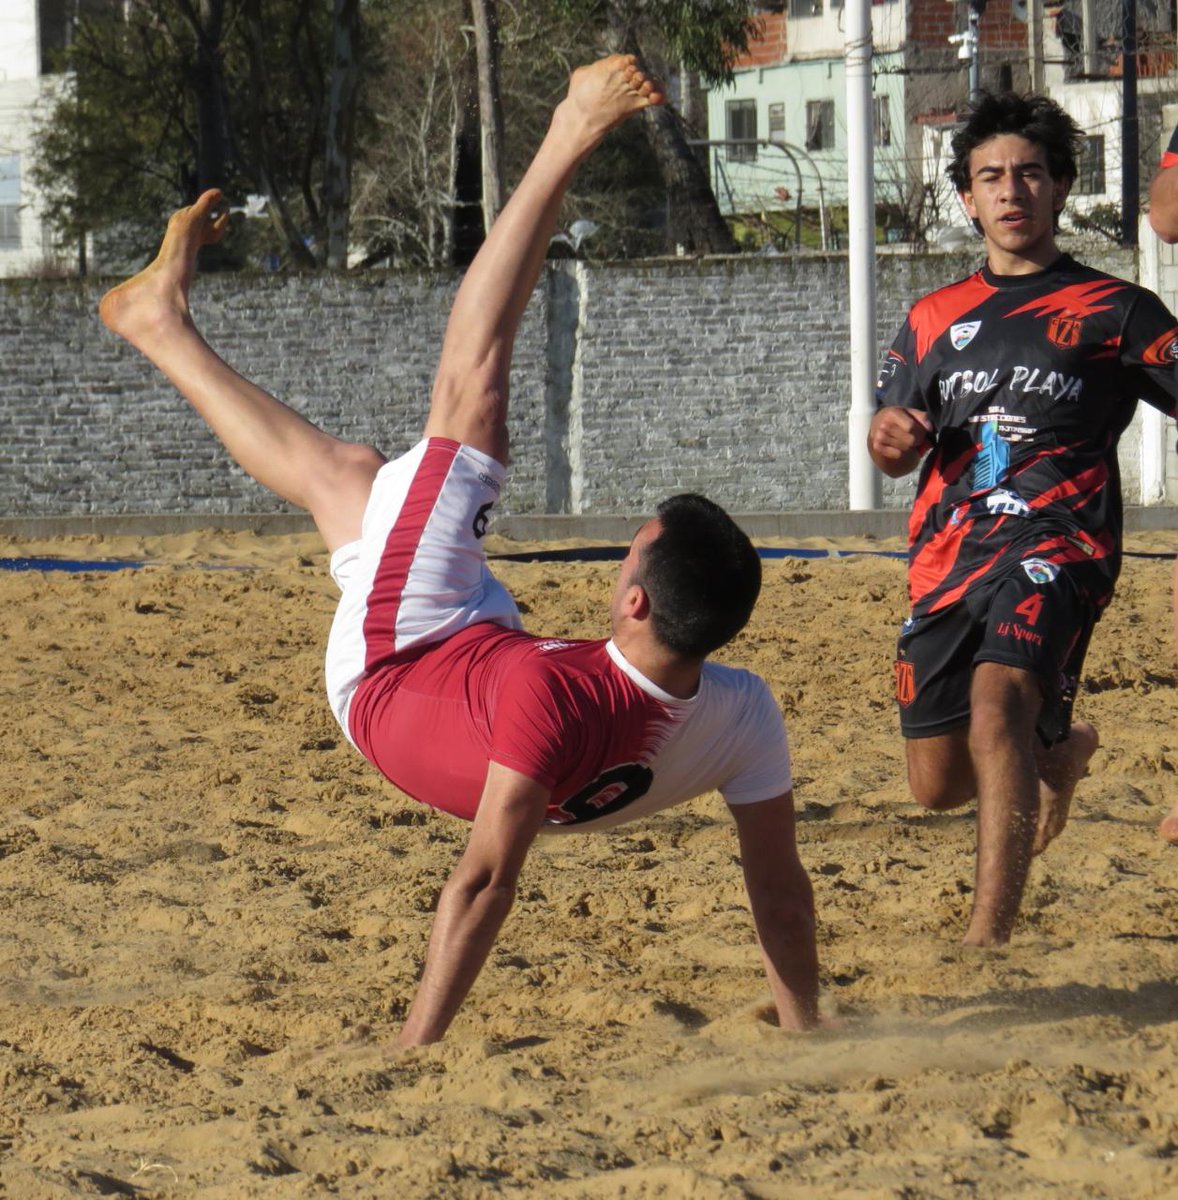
(584, 554)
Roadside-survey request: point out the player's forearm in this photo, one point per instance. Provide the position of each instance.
(468, 920)
(786, 935)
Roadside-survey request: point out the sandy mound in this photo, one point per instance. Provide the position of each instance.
(214, 914)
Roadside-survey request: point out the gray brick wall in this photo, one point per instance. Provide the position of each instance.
(630, 381)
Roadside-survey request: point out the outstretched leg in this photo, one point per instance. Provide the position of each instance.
(279, 448)
(469, 402)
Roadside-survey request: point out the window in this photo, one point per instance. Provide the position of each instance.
(777, 122)
(805, 8)
(1090, 168)
(10, 202)
(742, 127)
(819, 124)
(881, 121)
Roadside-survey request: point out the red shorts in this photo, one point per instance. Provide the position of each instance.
(419, 572)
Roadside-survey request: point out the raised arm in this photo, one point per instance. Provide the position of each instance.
(782, 902)
(476, 900)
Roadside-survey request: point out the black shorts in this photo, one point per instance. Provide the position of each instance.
(1033, 618)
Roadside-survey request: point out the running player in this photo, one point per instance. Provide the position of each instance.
(427, 669)
(1163, 216)
(1010, 389)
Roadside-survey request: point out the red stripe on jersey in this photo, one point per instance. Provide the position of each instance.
(1040, 455)
(1170, 159)
(934, 314)
(1088, 484)
(935, 561)
(934, 486)
(1064, 549)
(955, 594)
(1078, 300)
(384, 601)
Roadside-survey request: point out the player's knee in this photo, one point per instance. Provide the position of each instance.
(940, 771)
(355, 460)
(347, 469)
(941, 794)
(945, 783)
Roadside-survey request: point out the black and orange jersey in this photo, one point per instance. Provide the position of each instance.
(1030, 380)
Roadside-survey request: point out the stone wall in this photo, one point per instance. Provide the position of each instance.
(630, 381)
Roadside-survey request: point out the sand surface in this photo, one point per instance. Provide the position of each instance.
(214, 913)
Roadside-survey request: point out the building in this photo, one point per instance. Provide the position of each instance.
(779, 150)
(32, 35)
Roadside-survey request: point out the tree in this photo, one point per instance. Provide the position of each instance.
(403, 203)
(375, 135)
(486, 28)
(206, 25)
(704, 36)
(172, 96)
(341, 130)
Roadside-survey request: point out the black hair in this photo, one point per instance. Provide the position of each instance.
(701, 574)
(1035, 118)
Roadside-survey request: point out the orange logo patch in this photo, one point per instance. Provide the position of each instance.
(1064, 331)
(905, 683)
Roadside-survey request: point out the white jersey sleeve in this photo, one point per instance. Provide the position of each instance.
(761, 763)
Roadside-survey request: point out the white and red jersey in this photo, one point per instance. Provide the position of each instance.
(575, 717)
(430, 675)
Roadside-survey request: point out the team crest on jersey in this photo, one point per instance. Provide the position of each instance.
(1064, 331)
(1038, 571)
(962, 334)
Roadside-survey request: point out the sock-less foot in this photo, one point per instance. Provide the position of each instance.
(1168, 829)
(605, 93)
(159, 292)
(1060, 770)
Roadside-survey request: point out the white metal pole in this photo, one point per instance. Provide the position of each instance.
(1150, 259)
(1089, 63)
(864, 489)
(1035, 43)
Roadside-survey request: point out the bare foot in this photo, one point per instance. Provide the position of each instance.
(1060, 769)
(605, 93)
(160, 291)
(984, 939)
(1169, 826)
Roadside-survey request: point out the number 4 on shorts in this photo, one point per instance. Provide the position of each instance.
(1030, 608)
